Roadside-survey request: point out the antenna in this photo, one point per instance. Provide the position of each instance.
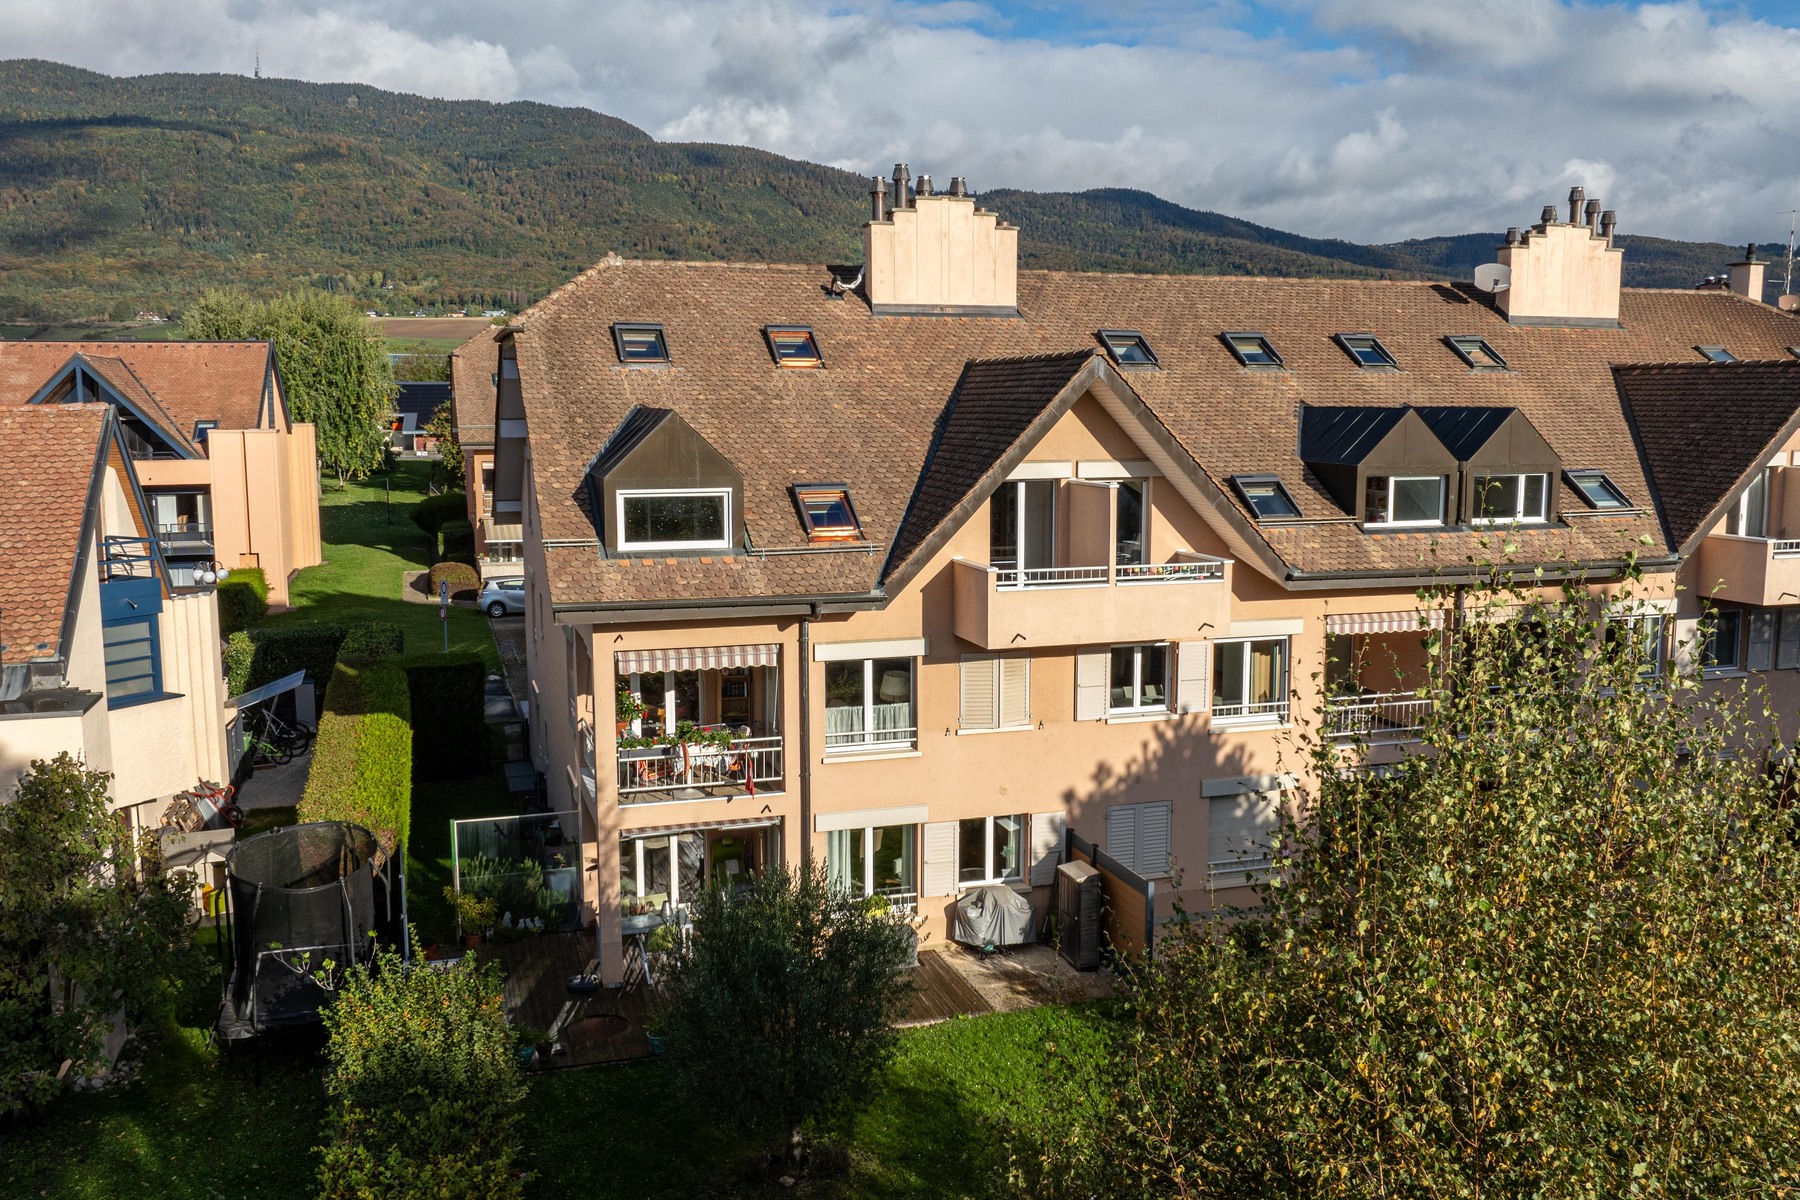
(258, 71)
(1493, 277)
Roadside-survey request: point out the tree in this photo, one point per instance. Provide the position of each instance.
(90, 934)
(447, 472)
(1549, 954)
(796, 984)
(333, 368)
(425, 1084)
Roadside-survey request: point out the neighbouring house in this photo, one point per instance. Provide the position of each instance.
(475, 372)
(415, 406)
(230, 477)
(924, 564)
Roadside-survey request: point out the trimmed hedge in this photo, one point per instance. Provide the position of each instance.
(362, 759)
(282, 651)
(449, 694)
(464, 580)
(371, 641)
(243, 599)
(432, 512)
(459, 542)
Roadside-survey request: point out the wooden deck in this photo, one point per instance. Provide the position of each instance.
(941, 991)
(602, 1026)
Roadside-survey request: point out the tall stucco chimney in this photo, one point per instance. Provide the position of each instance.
(1564, 274)
(941, 254)
(1747, 276)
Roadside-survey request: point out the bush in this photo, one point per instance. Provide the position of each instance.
(425, 1084)
(243, 599)
(362, 760)
(459, 542)
(464, 580)
(431, 513)
(449, 692)
(371, 641)
(240, 660)
(309, 648)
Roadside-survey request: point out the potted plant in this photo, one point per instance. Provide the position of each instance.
(474, 915)
(626, 709)
(653, 1029)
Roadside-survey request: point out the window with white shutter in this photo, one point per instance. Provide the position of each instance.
(1240, 836)
(940, 859)
(1090, 685)
(1193, 676)
(1138, 835)
(1015, 692)
(996, 692)
(1787, 646)
(1046, 846)
(1761, 654)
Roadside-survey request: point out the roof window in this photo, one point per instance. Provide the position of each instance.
(793, 346)
(1128, 347)
(1367, 350)
(827, 513)
(1476, 352)
(1252, 349)
(1718, 354)
(1600, 491)
(1266, 496)
(201, 428)
(640, 344)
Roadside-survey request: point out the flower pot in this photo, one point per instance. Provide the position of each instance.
(656, 1043)
(471, 940)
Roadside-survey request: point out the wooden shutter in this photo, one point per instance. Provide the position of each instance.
(940, 859)
(1046, 846)
(1193, 676)
(1787, 648)
(979, 703)
(1015, 691)
(1122, 834)
(1090, 685)
(1762, 640)
(1154, 846)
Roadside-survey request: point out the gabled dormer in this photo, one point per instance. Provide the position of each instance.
(146, 428)
(658, 487)
(1509, 471)
(1383, 465)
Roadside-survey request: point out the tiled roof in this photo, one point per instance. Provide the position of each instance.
(421, 399)
(869, 418)
(48, 458)
(472, 367)
(191, 381)
(1704, 428)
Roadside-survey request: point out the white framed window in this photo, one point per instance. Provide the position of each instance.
(674, 519)
(1131, 538)
(990, 850)
(1639, 637)
(1402, 500)
(1511, 498)
(1138, 836)
(1722, 633)
(1138, 680)
(869, 704)
(996, 692)
(1749, 517)
(133, 660)
(1240, 837)
(876, 860)
(1787, 640)
(1250, 680)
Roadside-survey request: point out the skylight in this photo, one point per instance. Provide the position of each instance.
(1600, 491)
(201, 428)
(1252, 349)
(1368, 351)
(640, 344)
(827, 513)
(1128, 347)
(1718, 354)
(1266, 496)
(1476, 352)
(794, 346)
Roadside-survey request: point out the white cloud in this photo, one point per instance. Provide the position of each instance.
(1366, 119)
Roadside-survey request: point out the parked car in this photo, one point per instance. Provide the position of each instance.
(500, 597)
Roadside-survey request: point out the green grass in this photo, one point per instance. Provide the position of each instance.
(435, 805)
(369, 544)
(261, 820)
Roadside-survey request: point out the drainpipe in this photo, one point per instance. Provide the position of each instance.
(806, 820)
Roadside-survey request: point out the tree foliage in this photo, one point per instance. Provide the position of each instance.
(796, 985)
(447, 471)
(334, 371)
(425, 1084)
(86, 932)
(1550, 954)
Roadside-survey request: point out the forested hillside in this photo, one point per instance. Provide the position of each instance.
(125, 194)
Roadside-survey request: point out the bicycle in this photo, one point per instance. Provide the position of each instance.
(296, 739)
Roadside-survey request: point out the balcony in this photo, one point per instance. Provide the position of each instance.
(185, 538)
(1749, 570)
(1381, 718)
(126, 558)
(716, 767)
(1006, 607)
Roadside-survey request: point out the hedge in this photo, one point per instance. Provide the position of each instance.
(430, 513)
(459, 541)
(240, 660)
(449, 694)
(464, 580)
(284, 650)
(243, 599)
(371, 641)
(362, 759)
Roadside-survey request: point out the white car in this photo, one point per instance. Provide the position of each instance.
(501, 597)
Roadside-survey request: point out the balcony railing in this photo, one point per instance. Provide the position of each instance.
(900, 900)
(1181, 571)
(1785, 547)
(1238, 872)
(1381, 717)
(185, 532)
(700, 770)
(127, 558)
(1036, 577)
(1255, 710)
(892, 726)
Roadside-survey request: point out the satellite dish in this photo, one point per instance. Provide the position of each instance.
(1492, 277)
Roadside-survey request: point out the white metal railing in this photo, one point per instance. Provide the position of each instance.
(893, 725)
(1382, 716)
(1265, 709)
(1784, 547)
(745, 764)
(1034, 577)
(1222, 869)
(587, 743)
(900, 900)
(1188, 571)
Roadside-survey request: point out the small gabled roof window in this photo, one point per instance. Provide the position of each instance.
(201, 428)
(1718, 354)
(1476, 352)
(1266, 496)
(827, 513)
(1367, 350)
(1128, 347)
(793, 346)
(1252, 349)
(640, 343)
(1600, 491)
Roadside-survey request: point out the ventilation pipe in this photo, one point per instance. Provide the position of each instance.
(1609, 220)
(1592, 214)
(924, 188)
(878, 199)
(1547, 218)
(958, 186)
(1512, 236)
(902, 176)
(1577, 195)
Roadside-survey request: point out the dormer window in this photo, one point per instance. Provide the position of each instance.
(200, 431)
(1476, 352)
(1266, 497)
(1367, 350)
(674, 519)
(1511, 498)
(640, 345)
(1717, 354)
(827, 513)
(1128, 347)
(1397, 501)
(1600, 491)
(793, 346)
(1252, 350)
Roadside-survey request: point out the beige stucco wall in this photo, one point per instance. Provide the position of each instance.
(264, 485)
(941, 252)
(1562, 272)
(165, 746)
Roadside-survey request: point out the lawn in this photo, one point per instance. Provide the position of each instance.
(435, 804)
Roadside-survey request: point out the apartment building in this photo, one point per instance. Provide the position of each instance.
(922, 562)
(231, 479)
(104, 651)
(474, 376)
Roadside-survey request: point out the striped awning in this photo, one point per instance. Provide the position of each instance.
(665, 830)
(1408, 621)
(698, 658)
(494, 532)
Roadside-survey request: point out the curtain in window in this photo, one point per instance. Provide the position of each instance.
(840, 870)
(1267, 677)
(691, 850)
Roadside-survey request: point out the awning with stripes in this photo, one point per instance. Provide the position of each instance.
(1409, 621)
(491, 531)
(698, 658)
(665, 830)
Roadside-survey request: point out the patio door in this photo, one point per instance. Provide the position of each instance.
(1022, 524)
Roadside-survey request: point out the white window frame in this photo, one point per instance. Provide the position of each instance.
(1137, 679)
(1273, 711)
(1736, 665)
(1520, 516)
(625, 494)
(1024, 820)
(868, 707)
(1390, 523)
(1738, 520)
(867, 834)
(1639, 625)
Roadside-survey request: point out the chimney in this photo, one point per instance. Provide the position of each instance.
(1512, 235)
(1609, 221)
(1564, 273)
(878, 199)
(1747, 276)
(939, 255)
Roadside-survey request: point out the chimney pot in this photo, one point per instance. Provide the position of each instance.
(1577, 194)
(1608, 221)
(1512, 235)
(878, 199)
(1548, 216)
(1750, 252)
(958, 186)
(1591, 214)
(901, 175)
(924, 186)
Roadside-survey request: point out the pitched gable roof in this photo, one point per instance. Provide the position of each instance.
(1704, 429)
(472, 368)
(227, 382)
(421, 399)
(52, 459)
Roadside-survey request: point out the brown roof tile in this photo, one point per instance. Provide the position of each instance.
(49, 459)
(472, 367)
(190, 381)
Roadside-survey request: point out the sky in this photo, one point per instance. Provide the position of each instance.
(1372, 120)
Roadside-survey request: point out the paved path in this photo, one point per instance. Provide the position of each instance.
(275, 787)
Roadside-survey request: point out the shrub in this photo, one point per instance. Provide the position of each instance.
(240, 660)
(371, 641)
(449, 692)
(463, 579)
(362, 760)
(425, 1084)
(309, 648)
(459, 541)
(243, 599)
(432, 512)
